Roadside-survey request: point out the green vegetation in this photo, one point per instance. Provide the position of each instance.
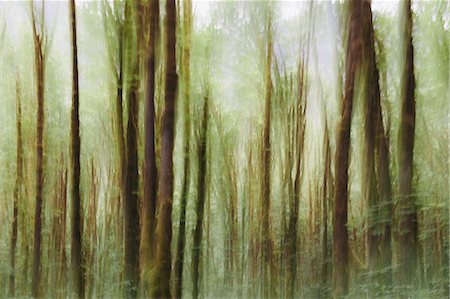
(224, 149)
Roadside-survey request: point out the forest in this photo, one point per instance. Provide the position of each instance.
(224, 149)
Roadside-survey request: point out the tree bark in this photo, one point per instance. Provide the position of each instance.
(130, 202)
(379, 246)
(161, 279)
(17, 188)
(267, 244)
(340, 233)
(147, 245)
(406, 210)
(202, 187)
(325, 198)
(369, 191)
(76, 242)
(39, 68)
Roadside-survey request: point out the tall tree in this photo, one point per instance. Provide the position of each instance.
(201, 195)
(17, 188)
(267, 242)
(326, 192)
(147, 243)
(380, 207)
(406, 210)
(40, 43)
(161, 279)
(369, 183)
(340, 234)
(130, 202)
(299, 144)
(76, 242)
(179, 257)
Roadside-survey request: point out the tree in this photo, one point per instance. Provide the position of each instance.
(200, 204)
(179, 257)
(76, 242)
(147, 243)
(130, 202)
(378, 198)
(267, 242)
(40, 44)
(340, 234)
(326, 192)
(17, 189)
(161, 279)
(406, 209)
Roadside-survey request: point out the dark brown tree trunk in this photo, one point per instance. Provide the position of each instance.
(17, 192)
(130, 202)
(120, 134)
(62, 244)
(406, 210)
(179, 257)
(300, 123)
(165, 187)
(380, 253)
(91, 232)
(202, 187)
(340, 234)
(325, 198)
(76, 242)
(120, 137)
(39, 67)
(369, 190)
(267, 244)
(147, 245)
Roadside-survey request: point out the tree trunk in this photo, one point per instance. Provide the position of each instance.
(369, 191)
(325, 198)
(76, 242)
(406, 212)
(130, 202)
(17, 192)
(340, 234)
(164, 227)
(147, 245)
(202, 187)
(179, 258)
(379, 247)
(39, 67)
(291, 267)
(267, 244)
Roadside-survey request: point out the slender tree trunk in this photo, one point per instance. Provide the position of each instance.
(130, 202)
(91, 232)
(325, 199)
(379, 247)
(62, 245)
(76, 242)
(267, 244)
(202, 187)
(291, 268)
(179, 257)
(340, 234)
(147, 245)
(164, 226)
(39, 67)
(369, 190)
(208, 246)
(17, 192)
(119, 130)
(406, 216)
